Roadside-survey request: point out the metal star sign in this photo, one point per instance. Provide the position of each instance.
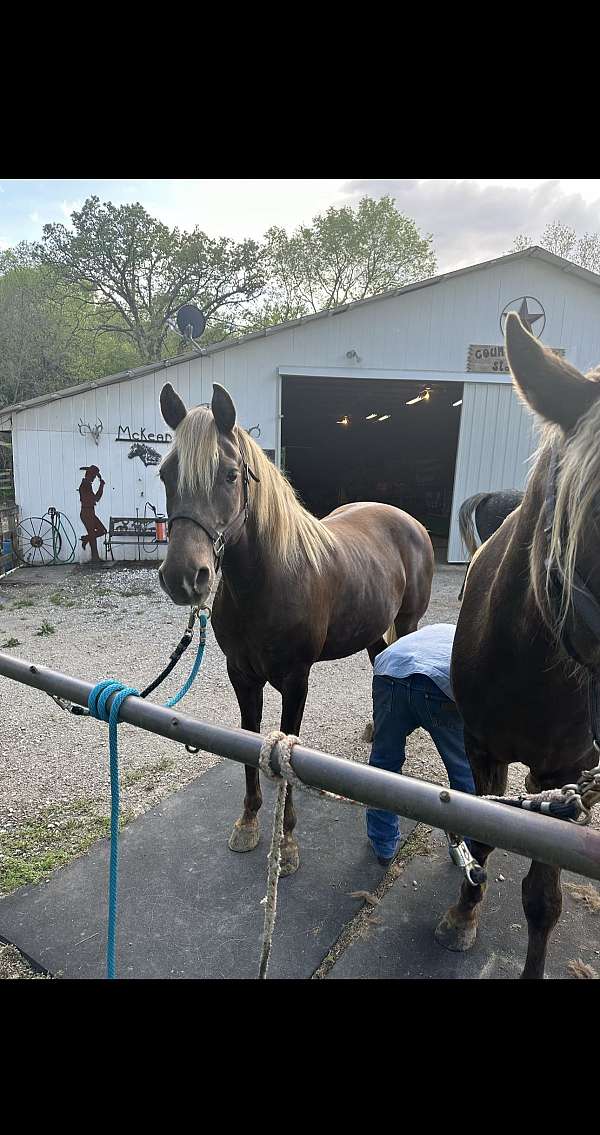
(531, 313)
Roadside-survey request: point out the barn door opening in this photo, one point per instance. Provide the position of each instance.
(347, 440)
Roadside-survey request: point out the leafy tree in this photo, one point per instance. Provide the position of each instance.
(563, 241)
(135, 272)
(48, 338)
(346, 254)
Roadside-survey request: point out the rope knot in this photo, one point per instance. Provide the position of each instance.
(284, 742)
(99, 697)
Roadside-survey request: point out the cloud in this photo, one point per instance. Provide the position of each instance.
(470, 222)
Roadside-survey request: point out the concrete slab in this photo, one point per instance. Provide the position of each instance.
(189, 907)
(401, 943)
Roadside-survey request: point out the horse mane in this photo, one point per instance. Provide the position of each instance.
(576, 498)
(286, 527)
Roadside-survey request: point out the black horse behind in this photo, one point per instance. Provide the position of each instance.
(480, 516)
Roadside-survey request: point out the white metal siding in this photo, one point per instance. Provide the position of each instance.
(424, 334)
(498, 435)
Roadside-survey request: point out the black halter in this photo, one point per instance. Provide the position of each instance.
(221, 539)
(585, 605)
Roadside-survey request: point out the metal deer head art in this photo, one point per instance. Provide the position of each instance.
(94, 431)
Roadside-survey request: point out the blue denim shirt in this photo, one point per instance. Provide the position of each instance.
(427, 651)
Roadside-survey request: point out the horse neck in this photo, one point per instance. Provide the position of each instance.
(246, 564)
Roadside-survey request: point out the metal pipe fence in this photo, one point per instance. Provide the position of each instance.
(542, 838)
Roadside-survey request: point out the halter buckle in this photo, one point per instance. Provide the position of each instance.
(219, 545)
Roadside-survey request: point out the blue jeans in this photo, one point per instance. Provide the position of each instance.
(401, 705)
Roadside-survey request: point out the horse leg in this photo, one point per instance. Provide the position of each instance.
(405, 623)
(246, 830)
(458, 928)
(376, 648)
(293, 695)
(542, 903)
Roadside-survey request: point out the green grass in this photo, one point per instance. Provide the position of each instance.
(45, 629)
(20, 603)
(39, 847)
(10, 642)
(136, 775)
(59, 600)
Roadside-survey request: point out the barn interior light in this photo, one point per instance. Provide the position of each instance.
(345, 421)
(370, 417)
(424, 396)
(384, 417)
(459, 403)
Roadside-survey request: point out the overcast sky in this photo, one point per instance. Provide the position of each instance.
(471, 219)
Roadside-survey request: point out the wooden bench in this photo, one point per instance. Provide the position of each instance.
(139, 530)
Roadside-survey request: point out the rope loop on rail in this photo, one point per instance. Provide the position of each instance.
(284, 744)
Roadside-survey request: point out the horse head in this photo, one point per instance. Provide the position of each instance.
(566, 546)
(205, 480)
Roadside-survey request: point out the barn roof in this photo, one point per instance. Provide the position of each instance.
(535, 252)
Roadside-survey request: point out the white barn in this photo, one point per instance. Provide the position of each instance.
(333, 397)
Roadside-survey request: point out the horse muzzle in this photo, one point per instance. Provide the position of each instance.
(186, 589)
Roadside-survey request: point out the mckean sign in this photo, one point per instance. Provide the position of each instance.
(125, 433)
(486, 359)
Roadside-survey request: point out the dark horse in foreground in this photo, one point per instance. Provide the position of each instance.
(480, 516)
(294, 590)
(525, 652)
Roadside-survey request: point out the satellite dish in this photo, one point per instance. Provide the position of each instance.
(190, 321)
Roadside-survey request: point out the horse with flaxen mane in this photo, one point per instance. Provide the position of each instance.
(480, 516)
(527, 648)
(294, 590)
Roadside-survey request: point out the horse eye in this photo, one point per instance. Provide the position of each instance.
(232, 476)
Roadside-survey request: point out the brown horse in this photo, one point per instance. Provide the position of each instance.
(525, 651)
(294, 590)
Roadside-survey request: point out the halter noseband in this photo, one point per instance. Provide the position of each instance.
(221, 539)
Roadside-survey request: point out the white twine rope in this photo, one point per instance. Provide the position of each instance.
(284, 743)
(589, 784)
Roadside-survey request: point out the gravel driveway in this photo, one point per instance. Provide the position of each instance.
(116, 622)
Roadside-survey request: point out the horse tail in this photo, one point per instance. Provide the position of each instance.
(390, 635)
(467, 524)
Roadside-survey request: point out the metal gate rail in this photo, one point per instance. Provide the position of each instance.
(536, 837)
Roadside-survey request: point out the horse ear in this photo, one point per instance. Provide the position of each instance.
(171, 407)
(223, 409)
(550, 386)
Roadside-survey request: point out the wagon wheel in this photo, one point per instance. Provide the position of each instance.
(36, 542)
(65, 537)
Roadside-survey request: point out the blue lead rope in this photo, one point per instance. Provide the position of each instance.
(98, 708)
(202, 619)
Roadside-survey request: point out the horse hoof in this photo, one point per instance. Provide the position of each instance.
(368, 733)
(290, 859)
(244, 837)
(459, 939)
